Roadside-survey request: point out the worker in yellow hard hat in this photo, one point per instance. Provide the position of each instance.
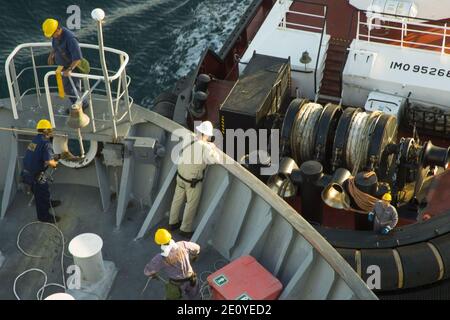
(384, 215)
(175, 260)
(38, 157)
(65, 52)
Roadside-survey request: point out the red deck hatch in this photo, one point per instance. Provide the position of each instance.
(244, 279)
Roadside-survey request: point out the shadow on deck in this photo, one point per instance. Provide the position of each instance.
(81, 214)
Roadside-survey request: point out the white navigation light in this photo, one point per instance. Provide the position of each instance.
(98, 14)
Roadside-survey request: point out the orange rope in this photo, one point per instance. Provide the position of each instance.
(365, 201)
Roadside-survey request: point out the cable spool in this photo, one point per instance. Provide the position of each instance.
(354, 139)
(385, 132)
(359, 138)
(326, 129)
(368, 134)
(340, 137)
(304, 132)
(288, 123)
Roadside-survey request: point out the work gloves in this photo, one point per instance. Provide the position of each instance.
(385, 230)
(370, 216)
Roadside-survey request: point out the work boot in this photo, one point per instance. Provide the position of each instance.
(55, 203)
(175, 226)
(187, 235)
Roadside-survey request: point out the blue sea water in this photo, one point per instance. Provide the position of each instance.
(164, 38)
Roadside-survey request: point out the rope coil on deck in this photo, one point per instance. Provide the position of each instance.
(40, 292)
(363, 200)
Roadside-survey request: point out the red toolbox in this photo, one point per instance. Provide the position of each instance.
(244, 279)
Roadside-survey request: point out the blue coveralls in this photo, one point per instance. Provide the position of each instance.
(67, 50)
(38, 152)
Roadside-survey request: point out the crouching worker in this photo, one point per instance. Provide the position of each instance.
(174, 260)
(384, 215)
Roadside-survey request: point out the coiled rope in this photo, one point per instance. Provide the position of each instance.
(40, 292)
(363, 200)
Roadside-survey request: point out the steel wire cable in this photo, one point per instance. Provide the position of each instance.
(303, 133)
(367, 134)
(354, 137)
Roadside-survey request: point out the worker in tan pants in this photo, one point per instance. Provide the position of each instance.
(191, 169)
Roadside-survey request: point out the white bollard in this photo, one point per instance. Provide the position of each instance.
(60, 296)
(86, 249)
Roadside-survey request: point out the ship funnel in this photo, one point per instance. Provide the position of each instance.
(77, 119)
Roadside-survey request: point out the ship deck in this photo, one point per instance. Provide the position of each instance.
(83, 214)
(343, 30)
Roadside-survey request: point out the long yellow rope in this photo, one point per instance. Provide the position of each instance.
(59, 82)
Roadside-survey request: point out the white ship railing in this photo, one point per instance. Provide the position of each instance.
(291, 25)
(365, 32)
(123, 82)
(284, 24)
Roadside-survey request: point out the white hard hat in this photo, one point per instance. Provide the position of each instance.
(206, 128)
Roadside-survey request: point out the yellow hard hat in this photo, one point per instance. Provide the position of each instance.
(162, 236)
(44, 125)
(49, 27)
(387, 197)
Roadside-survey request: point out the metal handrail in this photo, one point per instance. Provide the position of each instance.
(316, 90)
(70, 96)
(38, 88)
(305, 14)
(284, 24)
(12, 85)
(404, 29)
(302, 25)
